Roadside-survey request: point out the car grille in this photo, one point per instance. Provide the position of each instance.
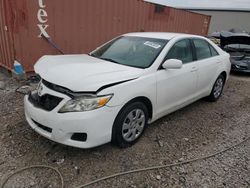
(46, 102)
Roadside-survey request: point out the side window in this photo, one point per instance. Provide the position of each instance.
(213, 51)
(181, 50)
(202, 49)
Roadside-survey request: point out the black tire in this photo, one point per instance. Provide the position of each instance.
(118, 132)
(214, 96)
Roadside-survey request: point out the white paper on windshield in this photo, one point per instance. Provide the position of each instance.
(152, 44)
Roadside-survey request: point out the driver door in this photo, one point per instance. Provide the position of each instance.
(177, 87)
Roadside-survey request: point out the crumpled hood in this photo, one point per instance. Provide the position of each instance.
(83, 73)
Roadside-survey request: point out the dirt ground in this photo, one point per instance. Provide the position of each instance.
(197, 130)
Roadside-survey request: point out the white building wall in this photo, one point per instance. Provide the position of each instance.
(225, 20)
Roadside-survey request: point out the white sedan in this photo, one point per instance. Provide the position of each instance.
(113, 93)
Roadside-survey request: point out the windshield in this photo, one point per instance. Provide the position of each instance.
(131, 51)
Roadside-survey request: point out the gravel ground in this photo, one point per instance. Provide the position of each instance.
(197, 130)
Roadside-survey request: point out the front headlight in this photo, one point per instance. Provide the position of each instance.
(85, 103)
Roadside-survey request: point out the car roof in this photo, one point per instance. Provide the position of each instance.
(160, 35)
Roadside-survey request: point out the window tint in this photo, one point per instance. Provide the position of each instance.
(202, 49)
(182, 51)
(213, 51)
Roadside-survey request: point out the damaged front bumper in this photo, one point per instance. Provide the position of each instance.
(78, 129)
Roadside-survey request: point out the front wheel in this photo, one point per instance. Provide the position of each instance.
(130, 124)
(217, 89)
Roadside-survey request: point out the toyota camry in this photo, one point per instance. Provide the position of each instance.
(113, 93)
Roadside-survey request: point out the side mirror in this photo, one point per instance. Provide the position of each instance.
(172, 64)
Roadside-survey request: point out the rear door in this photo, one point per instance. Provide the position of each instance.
(208, 61)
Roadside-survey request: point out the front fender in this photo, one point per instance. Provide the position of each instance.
(141, 87)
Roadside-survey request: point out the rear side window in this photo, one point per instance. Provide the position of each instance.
(213, 51)
(182, 51)
(202, 49)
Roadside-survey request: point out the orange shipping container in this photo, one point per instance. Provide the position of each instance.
(79, 26)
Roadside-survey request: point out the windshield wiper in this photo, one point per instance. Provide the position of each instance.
(109, 59)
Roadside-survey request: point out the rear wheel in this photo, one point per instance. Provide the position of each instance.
(217, 89)
(130, 124)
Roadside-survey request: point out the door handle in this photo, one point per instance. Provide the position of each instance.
(194, 69)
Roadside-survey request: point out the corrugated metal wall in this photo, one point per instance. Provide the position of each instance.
(6, 43)
(79, 26)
